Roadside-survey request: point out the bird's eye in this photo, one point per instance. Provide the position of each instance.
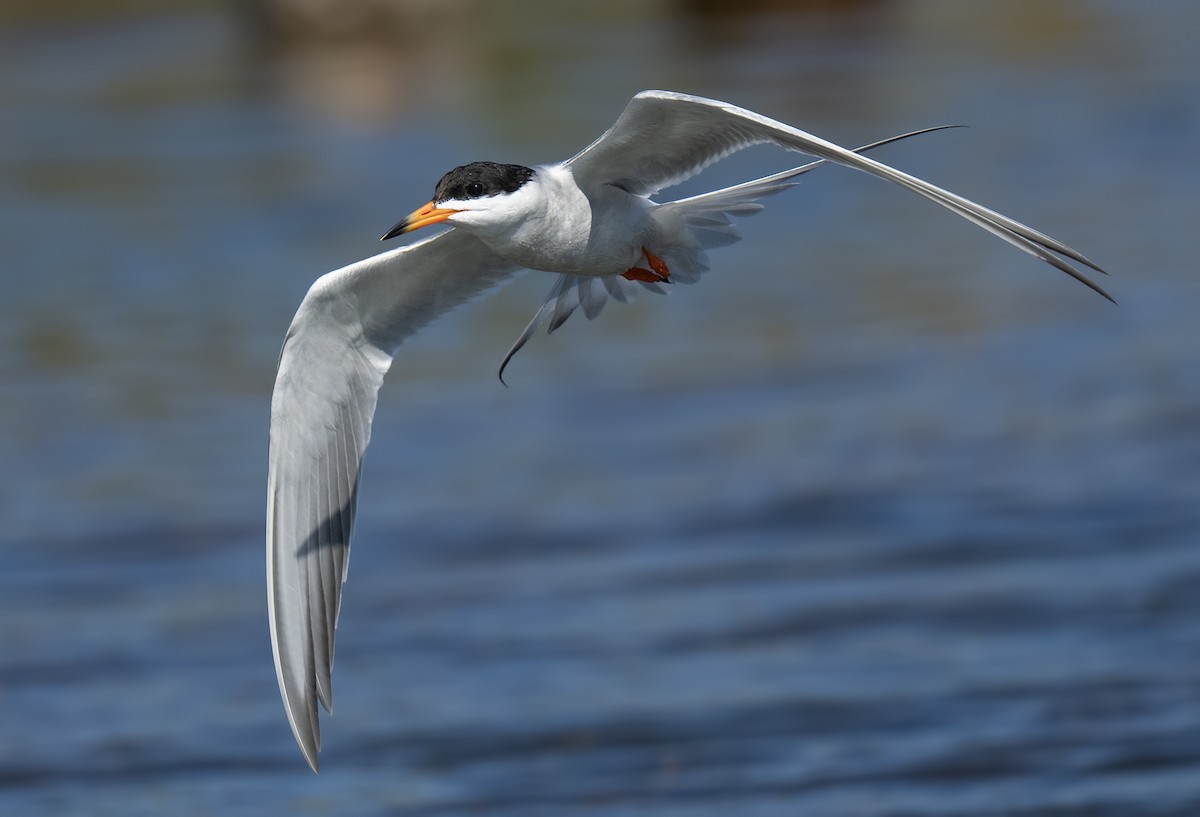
(474, 190)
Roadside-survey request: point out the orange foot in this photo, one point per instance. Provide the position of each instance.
(657, 274)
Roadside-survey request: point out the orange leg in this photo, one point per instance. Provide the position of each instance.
(642, 274)
(657, 274)
(657, 265)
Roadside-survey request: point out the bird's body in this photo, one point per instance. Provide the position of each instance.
(589, 219)
(567, 230)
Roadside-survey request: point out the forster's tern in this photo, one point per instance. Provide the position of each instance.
(589, 219)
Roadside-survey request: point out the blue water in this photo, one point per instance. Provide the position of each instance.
(882, 518)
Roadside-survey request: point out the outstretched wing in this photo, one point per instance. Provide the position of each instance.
(663, 138)
(708, 218)
(337, 350)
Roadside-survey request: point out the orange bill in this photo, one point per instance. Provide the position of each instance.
(421, 217)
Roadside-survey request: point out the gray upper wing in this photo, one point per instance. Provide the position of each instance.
(337, 350)
(663, 138)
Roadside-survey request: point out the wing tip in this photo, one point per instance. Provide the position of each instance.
(311, 758)
(306, 728)
(307, 731)
(1101, 291)
(302, 719)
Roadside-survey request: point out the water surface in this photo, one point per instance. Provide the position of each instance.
(881, 518)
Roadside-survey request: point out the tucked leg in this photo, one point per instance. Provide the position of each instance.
(657, 274)
(657, 264)
(642, 274)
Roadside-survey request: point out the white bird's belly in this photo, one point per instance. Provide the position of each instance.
(578, 234)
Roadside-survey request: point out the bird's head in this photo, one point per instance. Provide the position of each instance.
(476, 195)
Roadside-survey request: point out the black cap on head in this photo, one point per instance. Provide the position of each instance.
(480, 179)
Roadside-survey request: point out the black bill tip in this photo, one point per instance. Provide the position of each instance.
(400, 228)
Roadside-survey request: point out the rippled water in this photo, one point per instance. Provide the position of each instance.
(882, 518)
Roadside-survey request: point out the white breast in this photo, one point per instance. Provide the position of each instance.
(569, 230)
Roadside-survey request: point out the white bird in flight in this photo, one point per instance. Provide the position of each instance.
(591, 220)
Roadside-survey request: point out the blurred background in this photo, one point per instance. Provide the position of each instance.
(882, 518)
